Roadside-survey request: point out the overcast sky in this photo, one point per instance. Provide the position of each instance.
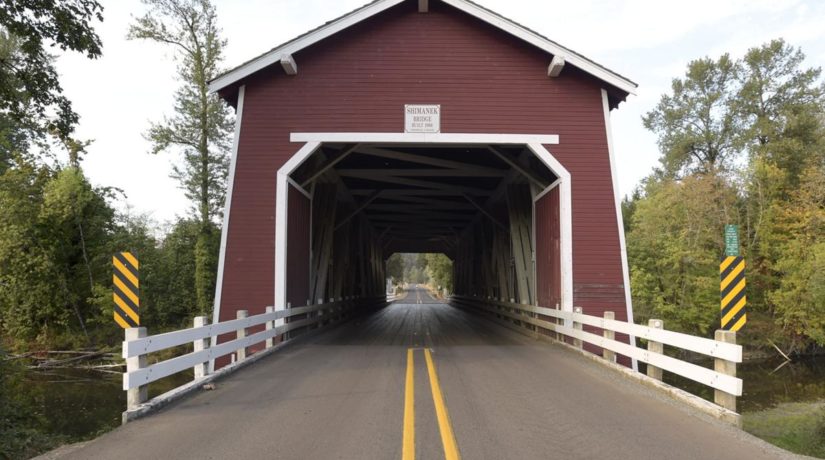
(649, 41)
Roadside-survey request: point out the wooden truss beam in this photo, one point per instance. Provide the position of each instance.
(421, 173)
(331, 162)
(424, 160)
(360, 208)
(528, 174)
(419, 183)
(399, 192)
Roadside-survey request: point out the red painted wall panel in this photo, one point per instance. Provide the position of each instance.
(485, 80)
(548, 249)
(297, 252)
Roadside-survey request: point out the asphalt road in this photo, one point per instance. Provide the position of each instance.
(364, 391)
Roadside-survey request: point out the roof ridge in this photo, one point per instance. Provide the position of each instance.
(470, 7)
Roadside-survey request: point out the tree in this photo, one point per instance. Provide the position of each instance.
(674, 246)
(775, 99)
(780, 107)
(54, 230)
(440, 270)
(694, 124)
(29, 85)
(799, 298)
(395, 267)
(201, 124)
(757, 128)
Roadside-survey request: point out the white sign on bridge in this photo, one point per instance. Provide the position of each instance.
(422, 118)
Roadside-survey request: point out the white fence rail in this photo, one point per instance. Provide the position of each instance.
(138, 345)
(722, 378)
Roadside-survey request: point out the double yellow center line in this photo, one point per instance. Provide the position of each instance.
(444, 426)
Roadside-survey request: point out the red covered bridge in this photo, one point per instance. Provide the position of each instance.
(514, 181)
(426, 126)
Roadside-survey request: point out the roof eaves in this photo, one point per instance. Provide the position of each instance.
(272, 56)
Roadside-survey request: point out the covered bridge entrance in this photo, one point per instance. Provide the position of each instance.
(422, 126)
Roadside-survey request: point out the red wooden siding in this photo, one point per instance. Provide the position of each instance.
(486, 82)
(297, 251)
(548, 250)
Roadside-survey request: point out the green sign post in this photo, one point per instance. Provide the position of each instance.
(732, 240)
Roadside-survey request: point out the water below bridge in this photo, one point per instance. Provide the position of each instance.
(342, 394)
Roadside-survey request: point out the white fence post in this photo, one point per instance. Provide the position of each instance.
(269, 326)
(726, 400)
(136, 396)
(655, 347)
(609, 335)
(199, 345)
(577, 326)
(241, 353)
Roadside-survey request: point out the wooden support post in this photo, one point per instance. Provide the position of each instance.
(655, 347)
(136, 396)
(577, 326)
(726, 400)
(241, 314)
(199, 345)
(269, 326)
(610, 335)
(519, 207)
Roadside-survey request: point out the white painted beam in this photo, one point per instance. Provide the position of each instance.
(427, 138)
(289, 65)
(556, 66)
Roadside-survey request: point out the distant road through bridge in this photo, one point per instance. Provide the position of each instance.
(345, 394)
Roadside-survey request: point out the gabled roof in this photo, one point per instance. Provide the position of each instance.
(283, 53)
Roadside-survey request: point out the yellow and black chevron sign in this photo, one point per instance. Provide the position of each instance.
(732, 275)
(126, 289)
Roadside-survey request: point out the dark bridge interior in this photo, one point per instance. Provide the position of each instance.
(473, 203)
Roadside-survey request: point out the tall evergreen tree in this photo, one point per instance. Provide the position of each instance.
(201, 124)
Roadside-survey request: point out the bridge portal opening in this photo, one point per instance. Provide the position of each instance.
(497, 211)
(433, 270)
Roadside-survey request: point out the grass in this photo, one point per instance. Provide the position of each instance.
(797, 427)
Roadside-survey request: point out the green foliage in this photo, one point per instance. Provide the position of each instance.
(29, 85)
(395, 267)
(755, 129)
(175, 290)
(799, 299)
(51, 243)
(440, 271)
(695, 126)
(201, 124)
(674, 244)
(797, 427)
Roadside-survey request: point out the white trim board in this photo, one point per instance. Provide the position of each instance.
(276, 55)
(619, 218)
(281, 216)
(426, 138)
(216, 308)
(533, 142)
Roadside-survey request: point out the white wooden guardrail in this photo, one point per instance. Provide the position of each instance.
(138, 345)
(724, 349)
